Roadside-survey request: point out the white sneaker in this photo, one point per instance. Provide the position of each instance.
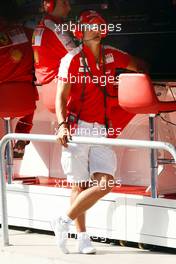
(60, 229)
(85, 245)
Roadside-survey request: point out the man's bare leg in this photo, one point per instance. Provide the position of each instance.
(88, 197)
(84, 243)
(80, 220)
(81, 201)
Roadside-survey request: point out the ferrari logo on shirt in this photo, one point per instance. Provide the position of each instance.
(4, 40)
(16, 55)
(37, 36)
(17, 36)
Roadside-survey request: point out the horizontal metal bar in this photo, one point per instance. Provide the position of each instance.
(166, 161)
(80, 140)
(95, 141)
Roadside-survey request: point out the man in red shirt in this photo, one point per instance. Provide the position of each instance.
(85, 99)
(50, 44)
(16, 71)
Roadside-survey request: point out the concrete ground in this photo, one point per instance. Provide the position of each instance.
(37, 248)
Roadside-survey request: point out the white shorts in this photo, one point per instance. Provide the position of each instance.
(81, 161)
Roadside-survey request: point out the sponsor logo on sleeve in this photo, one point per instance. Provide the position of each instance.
(37, 36)
(17, 36)
(109, 58)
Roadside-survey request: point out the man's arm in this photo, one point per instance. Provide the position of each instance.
(124, 60)
(137, 65)
(63, 91)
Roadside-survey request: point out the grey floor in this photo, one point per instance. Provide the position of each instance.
(35, 248)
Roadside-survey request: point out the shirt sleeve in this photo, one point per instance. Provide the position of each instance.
(69, 66)
(121, 58)
(63, 37)
(66, 69)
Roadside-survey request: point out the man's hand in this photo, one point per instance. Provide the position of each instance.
(63, 135)
(138, 65)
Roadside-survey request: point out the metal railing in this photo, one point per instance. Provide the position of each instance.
(80, 140)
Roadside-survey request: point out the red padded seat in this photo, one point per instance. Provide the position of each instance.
(137, 95)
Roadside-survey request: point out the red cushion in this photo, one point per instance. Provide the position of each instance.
(137, 95)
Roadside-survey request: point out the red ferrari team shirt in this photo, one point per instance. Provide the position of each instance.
(16, 55)
(91, 108)
(50, 44)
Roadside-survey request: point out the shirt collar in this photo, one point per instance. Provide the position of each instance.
(88, 53)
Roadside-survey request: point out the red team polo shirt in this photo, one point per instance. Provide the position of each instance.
(17, 92)
(50, 44)
(92, 108)
(16, 55)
